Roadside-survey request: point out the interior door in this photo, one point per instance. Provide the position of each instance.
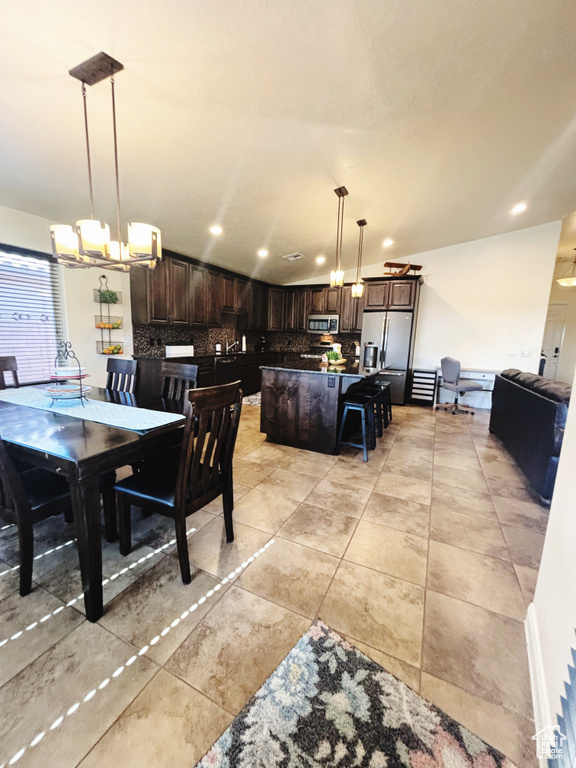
(553, 335)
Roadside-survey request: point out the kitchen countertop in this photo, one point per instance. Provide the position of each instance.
(310, 365)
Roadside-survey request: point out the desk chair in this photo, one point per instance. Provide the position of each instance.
(203, 472)
(451, 380)
(8, 364)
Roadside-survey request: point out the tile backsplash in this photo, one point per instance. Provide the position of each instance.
(151, 340)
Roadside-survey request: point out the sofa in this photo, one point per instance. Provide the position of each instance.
(529, 415)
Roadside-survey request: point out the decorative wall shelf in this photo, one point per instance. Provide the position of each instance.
(106, 322)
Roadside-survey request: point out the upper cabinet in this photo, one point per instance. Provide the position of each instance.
(198, 310)
(402, 294)
(376, 295)
(350, 311)
(276, 309)
(258, 310)
(392, 294)
(323, 300)
(161, 295)
(215, 299)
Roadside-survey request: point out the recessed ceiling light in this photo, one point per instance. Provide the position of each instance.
(216, 229)
(320, 259)
(262, 252)
(519, 208)
(388, 242)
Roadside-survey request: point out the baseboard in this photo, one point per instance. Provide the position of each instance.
(543, 716)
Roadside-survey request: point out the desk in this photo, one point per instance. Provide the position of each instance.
(87, 454)
(480, 398)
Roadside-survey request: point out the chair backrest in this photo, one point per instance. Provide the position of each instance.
(13, 499)
(213, 415)
(178, 379)
(121, 374)
(450, 369)
(8, 363)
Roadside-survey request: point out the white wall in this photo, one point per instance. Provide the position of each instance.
(27, 231)
(552, 616)
(484, 299)
(566, 365)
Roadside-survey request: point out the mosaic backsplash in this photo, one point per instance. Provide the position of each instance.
(151, 340)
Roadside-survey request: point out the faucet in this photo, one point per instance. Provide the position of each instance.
(230, 346)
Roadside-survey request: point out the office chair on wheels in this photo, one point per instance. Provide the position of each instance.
(451, 380)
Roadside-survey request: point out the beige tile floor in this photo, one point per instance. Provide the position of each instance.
(425, 557)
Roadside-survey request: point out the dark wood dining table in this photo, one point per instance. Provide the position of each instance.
(87, 454)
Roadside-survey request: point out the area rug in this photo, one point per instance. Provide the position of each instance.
(327, 704)
(252, 399)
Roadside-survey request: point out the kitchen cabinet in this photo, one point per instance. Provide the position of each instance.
(376, 295)
(242, 295)
(401, 294)
(351, 311)
(332, 300)
(179, 292)
(198, 296)
(317, 301)
(258, 314)
(276, 309)
(290, 303)
(215, 297)
(228, 293)
(161, 295)
(301, 310)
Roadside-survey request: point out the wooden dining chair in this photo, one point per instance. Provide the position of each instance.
(27, 498)
(8, 364)
(177, 380)
(204, 471)
(121, 375)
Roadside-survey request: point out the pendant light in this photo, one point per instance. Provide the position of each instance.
(88, 243)
(568, 282)
(337, 275)
(358, 287)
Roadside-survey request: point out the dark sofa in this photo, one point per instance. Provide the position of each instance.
(529, 416)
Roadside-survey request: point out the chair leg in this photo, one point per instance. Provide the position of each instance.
(68, 516)
(182, 545)
(109, 504)
(341, 429)
(26, 542)
(228, 506)
(124, 523)
(363, 418)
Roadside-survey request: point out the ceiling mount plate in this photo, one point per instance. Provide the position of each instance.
(362, 222)
(341, 191)
(97, 68)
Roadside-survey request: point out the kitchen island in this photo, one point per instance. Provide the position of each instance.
(302, 402)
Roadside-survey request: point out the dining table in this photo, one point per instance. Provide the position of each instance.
(77, 443)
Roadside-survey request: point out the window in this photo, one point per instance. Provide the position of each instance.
(31, 324)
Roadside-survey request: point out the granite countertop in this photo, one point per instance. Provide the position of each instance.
(308, 365)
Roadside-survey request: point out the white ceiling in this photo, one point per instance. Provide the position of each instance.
(437, 116)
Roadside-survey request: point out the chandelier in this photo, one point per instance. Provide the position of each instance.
(358, 287)
(337, 275)
(88, 243)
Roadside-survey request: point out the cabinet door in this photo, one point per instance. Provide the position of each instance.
(205, 376)
(179, 282)
(275, 309)
(359, 313)
(290, 309)
(157, 292)
(317, 301)
(229, 293)
(347, 310)
(301, 309)
(401, 295)
(197, 295)
(377, 295)
(332, 301)
(242, 298)
(215, 297)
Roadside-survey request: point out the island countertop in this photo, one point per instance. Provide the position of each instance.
(312, 365)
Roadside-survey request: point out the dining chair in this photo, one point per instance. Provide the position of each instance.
(8, 364)
(27, 498)
(178, 379)
(121, 375)
(204, 471)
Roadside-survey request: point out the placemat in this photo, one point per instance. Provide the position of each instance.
(112, 414)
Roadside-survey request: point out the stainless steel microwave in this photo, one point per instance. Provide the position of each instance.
(323, 323)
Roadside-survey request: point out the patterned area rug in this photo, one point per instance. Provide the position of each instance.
(327, 704)
(252, 399)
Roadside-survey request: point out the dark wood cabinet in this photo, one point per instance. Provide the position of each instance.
(242, 295)
(157, 283)
(198, 296)
(275, 309)
(258, 314)
(351, 311)
(215, 297)
(376, 295)
(401, 295)
(317, 298)
(301, 310)
(228, 293)
(179, 292)
(290, 303)
(332, 300)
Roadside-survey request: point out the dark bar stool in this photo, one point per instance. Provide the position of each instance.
(364, 405)
(386, 401)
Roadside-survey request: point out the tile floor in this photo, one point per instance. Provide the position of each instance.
(425, 558)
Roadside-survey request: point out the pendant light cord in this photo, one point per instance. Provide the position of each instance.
(88, 151)
(360, 244)
(116, 165)
(339, 231)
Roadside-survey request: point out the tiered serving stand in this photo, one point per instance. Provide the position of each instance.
(68, 377)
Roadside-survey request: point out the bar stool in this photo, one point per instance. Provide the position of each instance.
(386, 400)
(364, 405)
(380, 413)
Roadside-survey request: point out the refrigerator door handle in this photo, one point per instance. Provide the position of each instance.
(385, 342)
(393, 373)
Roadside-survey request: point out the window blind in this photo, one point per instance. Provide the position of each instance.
(31, 315)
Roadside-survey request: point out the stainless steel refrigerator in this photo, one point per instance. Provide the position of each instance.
(393, 333)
